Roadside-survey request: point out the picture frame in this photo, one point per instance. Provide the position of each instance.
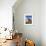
(28, 19)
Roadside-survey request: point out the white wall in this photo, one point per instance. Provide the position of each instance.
(37, 31)
(6, 13)
(30, 31)
(43, 22)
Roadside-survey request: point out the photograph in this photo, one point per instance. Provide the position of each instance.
(27, 19)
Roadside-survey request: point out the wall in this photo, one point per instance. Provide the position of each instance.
(6, 13)
(32, 32)
(43, 22)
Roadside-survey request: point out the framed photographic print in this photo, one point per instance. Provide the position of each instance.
(28, 19)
